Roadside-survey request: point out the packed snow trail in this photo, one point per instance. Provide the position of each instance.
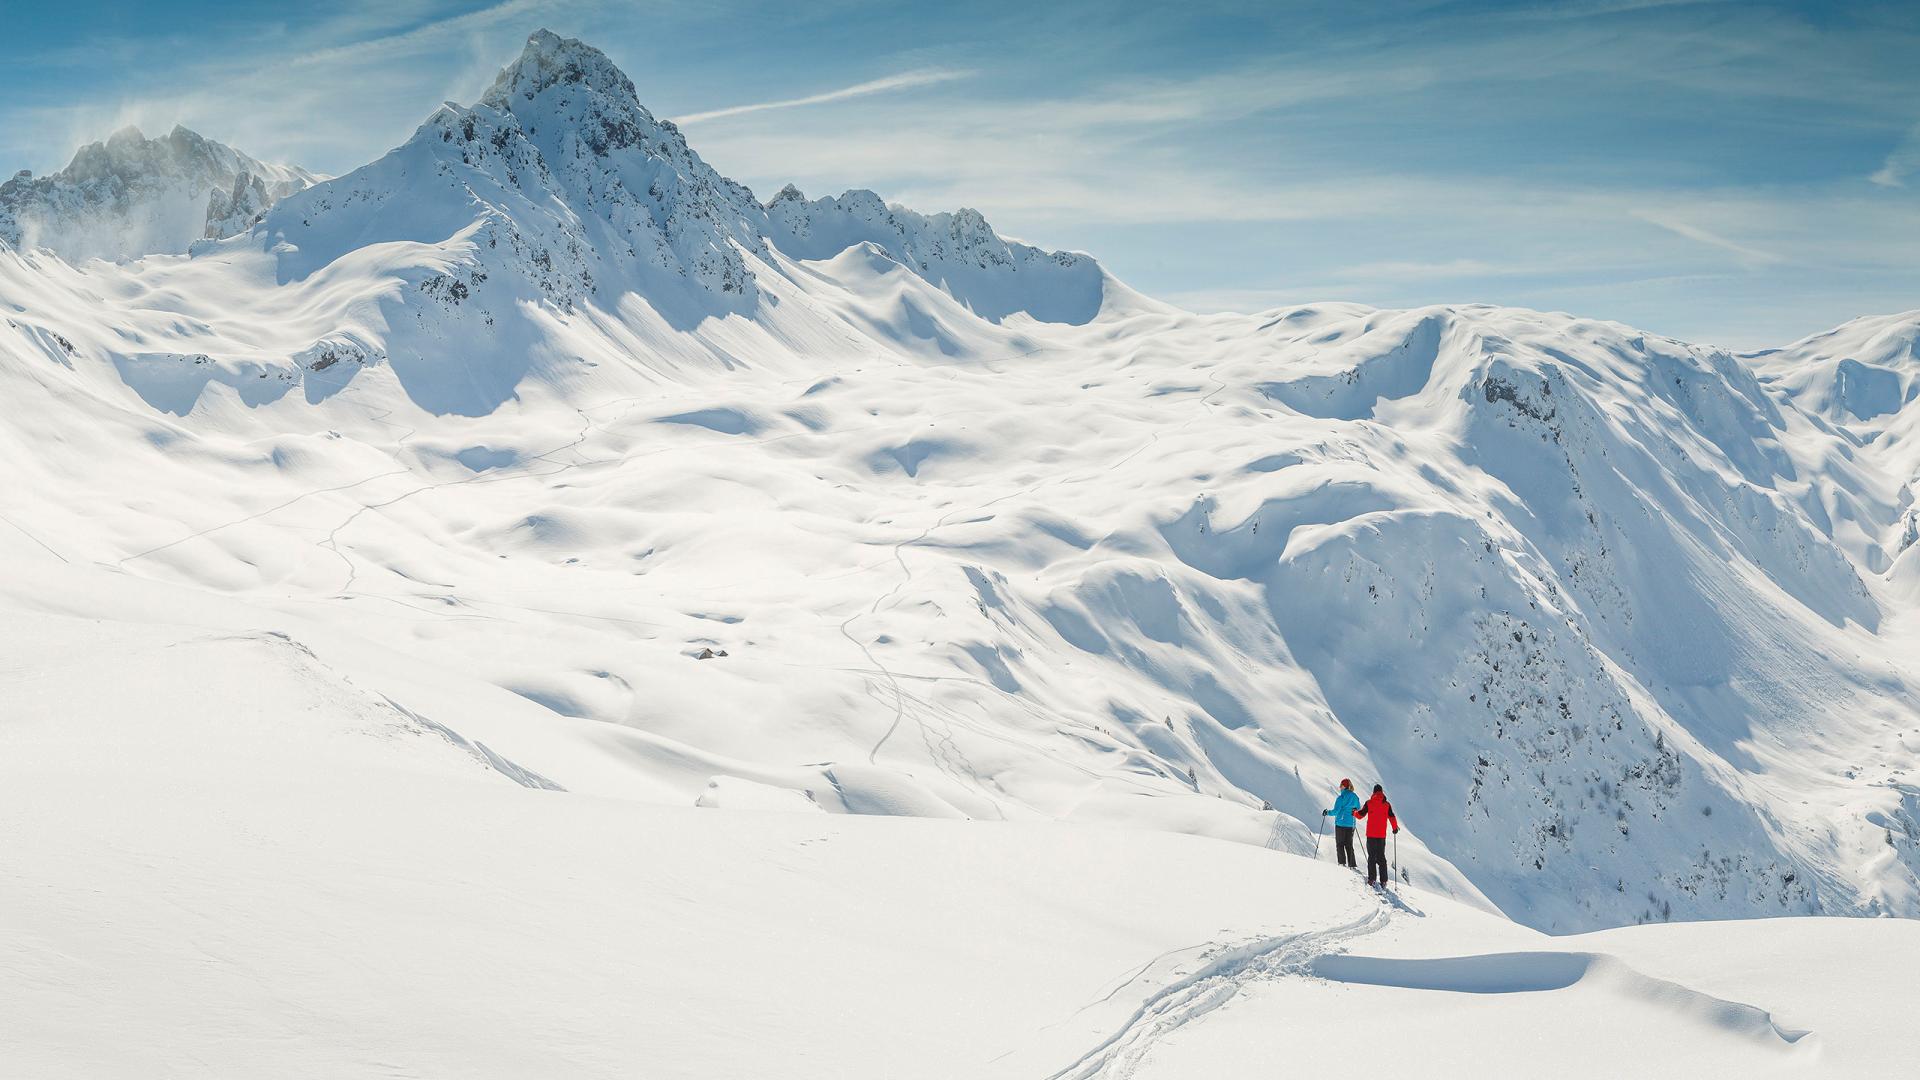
(1225, 970)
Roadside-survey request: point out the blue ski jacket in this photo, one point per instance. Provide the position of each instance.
(1343, 808)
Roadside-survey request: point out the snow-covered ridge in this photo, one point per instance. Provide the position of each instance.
(594, 198)
(1863, 378)
(131, 196)
(1860, 373)
(994, 277)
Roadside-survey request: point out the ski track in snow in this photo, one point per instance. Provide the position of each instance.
(1224, 971)
(17, 527)
(332, 544)
(899, 699)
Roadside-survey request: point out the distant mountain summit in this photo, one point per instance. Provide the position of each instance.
(132, 196)
(1861, 374)
(560, 166)
(993, 276)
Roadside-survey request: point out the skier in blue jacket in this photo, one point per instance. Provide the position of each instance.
(1342, 814)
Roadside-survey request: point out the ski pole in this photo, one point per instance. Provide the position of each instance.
(1322, 831)
(1396, 854)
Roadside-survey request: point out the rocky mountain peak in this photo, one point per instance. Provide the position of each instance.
(550, 60)
(583, 191)
(787, 194)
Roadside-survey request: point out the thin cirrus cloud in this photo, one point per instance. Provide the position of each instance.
(1903, 162)
(426, 36)
(904, 81)
(1749, 256)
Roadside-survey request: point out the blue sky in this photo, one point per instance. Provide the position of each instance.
(1740, 173)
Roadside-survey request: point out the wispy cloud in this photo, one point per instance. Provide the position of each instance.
(1401, 270)
(906, 80)
(1750, 256)
(424, 36)
(1588, 9)
(1901, 163)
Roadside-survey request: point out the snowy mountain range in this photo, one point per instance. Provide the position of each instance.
(132, 196)
(540, 436)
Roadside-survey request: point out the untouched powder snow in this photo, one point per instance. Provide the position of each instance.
(460, 622)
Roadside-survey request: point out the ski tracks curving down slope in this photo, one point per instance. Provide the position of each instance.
(1218, 972)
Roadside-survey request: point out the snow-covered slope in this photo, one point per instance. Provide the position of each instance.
(1863, 378)
(541, 404)
(992, 276)
(559, 195)
(235, 852)
(131, 196)
(1865, 371)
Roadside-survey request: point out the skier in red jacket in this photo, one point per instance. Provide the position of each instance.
(1378, 814)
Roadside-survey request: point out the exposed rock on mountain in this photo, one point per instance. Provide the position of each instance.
(132, 196)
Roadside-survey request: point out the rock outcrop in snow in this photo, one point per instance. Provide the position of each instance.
(132, 196)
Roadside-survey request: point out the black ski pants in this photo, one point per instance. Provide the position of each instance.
(1343, 846)
(1377, 856)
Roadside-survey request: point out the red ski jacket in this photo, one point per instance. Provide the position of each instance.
(1379, 814)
